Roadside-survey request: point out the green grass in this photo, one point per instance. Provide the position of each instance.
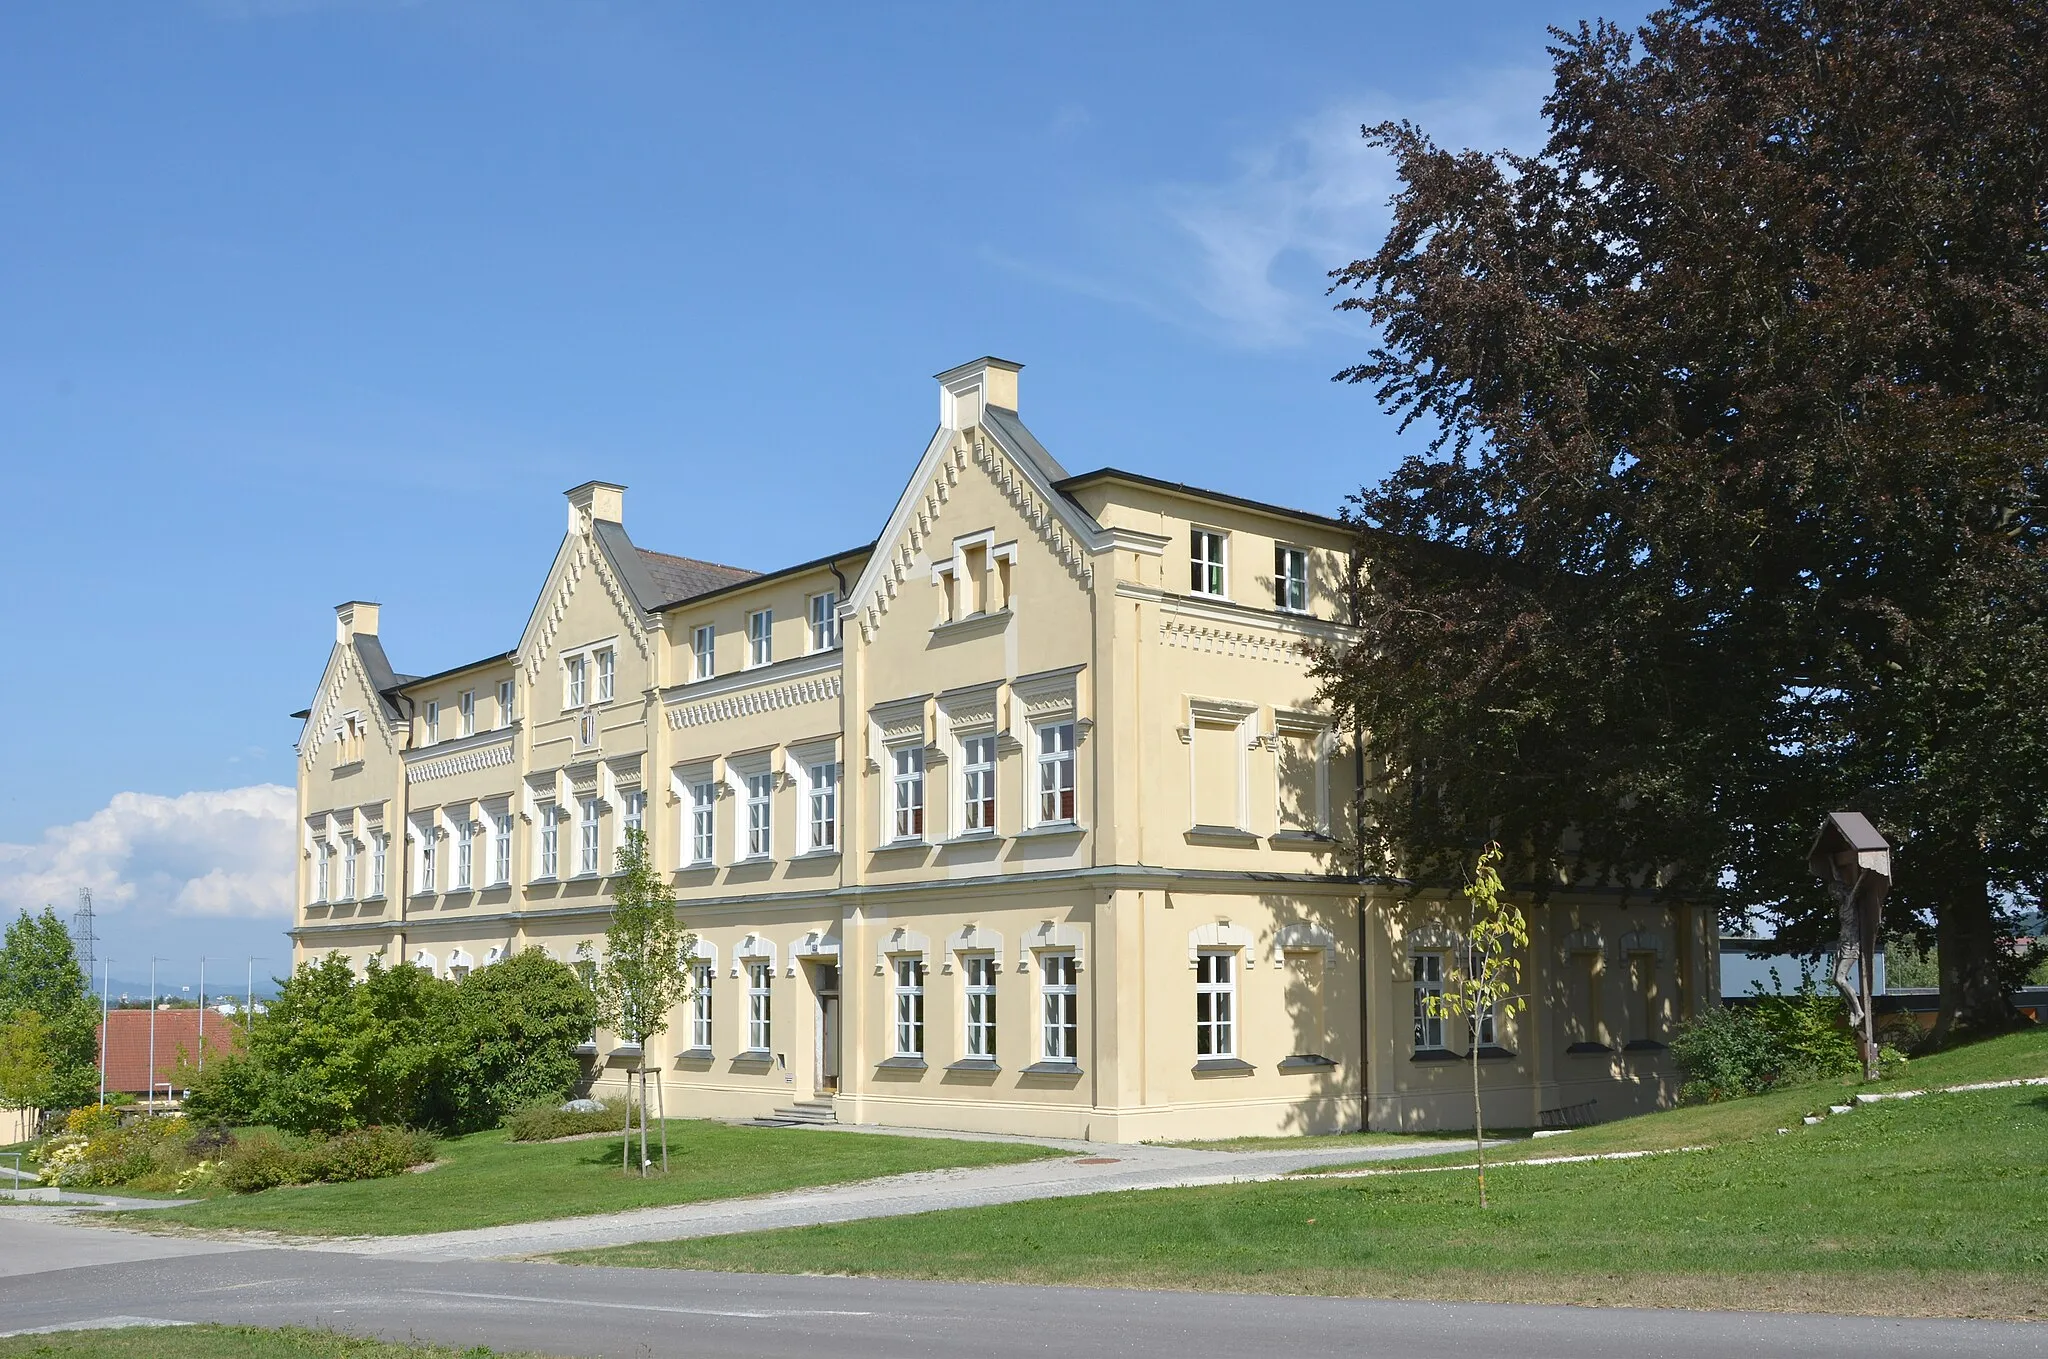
(223, 1342)
(1312, 1142)
(1934, 1206)
(488, 1180)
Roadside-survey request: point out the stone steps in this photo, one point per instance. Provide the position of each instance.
(809, 1112)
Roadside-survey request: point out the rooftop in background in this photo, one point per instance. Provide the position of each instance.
(126, 1042)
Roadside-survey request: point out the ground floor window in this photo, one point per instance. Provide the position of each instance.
(910, 1007)
(1428, 972)
(1062, 1024)
(981, 1005)
(1216, 1004)
(700, 1006)
(758, 1032)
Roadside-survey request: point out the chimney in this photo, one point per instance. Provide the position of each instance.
(596, 500)
(354, 617)
(963, 391)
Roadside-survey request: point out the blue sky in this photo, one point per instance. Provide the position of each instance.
(302, 302)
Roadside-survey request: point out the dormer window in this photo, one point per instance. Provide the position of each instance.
(1206, 555)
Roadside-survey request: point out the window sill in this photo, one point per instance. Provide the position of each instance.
(546, 880)
(694, 1055)
(887, 846)
(1643, 1045)
(1053, 1069)
(831, 852)
(1589, 1049)
(975, 624)
(698, 866)
(632, 1052)
(585, 1049)
(1492, 1053)
(900, 1064)
(1306, 1061)
(1291, 839)
(342, 771)
(1229, 836)
(427, 895)
(584, 877)
(1215, 1066)
(1052, 828)
(973, 837)
(1433, 1055)
(975, 1064)
(754, 1057)
(753, 859)
(374, 899)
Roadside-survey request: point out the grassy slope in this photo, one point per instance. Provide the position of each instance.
(221, 1342)
(488, 1180)
(1311, 1142)
(1936, 1206)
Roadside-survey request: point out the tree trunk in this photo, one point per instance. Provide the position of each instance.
(1973, 998)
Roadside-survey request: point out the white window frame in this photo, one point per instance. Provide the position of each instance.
(702, 975)
(1048, 765)
(1059, 994)
(501, 846)
(575, 679)
(1215, 1003)
(632, 817)
(589, 821)
(547, 845)
(978, 806)
(320, 871)
(1426, 974)
(433, 720)
(907, 971)
(906, 820)
(823, 612)
(508, 702)
(703, 651)
(465, 852)
(700, 832)
(607, 662)
(430, 866)
(760, 1005)
(821, 792)
(465, 713)
(349, 849)
(1206, 570)
(981, 970)
(758, 825)
(1290, 591)
(760, 638)
(379, 862)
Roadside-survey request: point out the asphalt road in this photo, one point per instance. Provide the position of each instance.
(568, 1310)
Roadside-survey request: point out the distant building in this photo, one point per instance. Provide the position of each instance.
(1748, 963)
(126, 1041)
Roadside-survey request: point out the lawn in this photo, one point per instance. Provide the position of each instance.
(1934, 1206)
(1312, 1142)
(487, 1180)
(223, 1342)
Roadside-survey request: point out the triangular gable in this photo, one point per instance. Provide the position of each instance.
(1003, 450)
(350, 680)
(582, 556)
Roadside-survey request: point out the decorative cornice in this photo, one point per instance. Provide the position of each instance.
(460, 762)
(1223, 641)
(754, 701)
(1036, 511)
(796, 667)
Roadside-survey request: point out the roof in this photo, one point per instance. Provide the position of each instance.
(679, 578)
(377, 669)
(126, 1040)
(777, 574)
(1074, 483)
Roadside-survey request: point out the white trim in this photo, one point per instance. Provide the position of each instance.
(972, 938)
(1054, 937)
(898, 942)
(815, 946)
(752, 949)
(1221, 934)
(1642, 941)
(1581, 941)
(1300, 937)
(1222, 712)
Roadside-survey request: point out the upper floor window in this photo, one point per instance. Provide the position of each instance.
(823, 779)
(1290, 578)
(1427, 971)
(433, 720)
(1055, 772)
(465, 713)
(586, 858)
(348, 868)
(703, 651)
(349, 748)
(978, 767)
(1206, 555)
(634, 817)
(320, 870)
(701, 821)
(760, 815)
(1216, 1004)
(507, 702)
(465, 853)
(907, 781)
(824, 621)
(607, 674)
(547, 844)
(429, 858)
(501, 847)
(378, 844)
(576, 680)
(761, 637)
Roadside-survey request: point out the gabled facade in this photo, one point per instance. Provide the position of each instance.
(1021, 817)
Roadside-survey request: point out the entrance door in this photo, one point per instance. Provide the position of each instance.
(827, 1063)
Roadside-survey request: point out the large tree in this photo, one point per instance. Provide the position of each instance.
(1733, 510)
(39, 972)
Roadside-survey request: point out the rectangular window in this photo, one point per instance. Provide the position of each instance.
(760, 815)
(910, 1007)
(429, 853)
(634, 817)
(759, 975)
(465, 854)
(908, 784)
(586, 857)
(761, 637)
(550, 840)
(1205, 553)
(433, 720)
(824, 621)
(1428, 972)
(501, 848)
(703, 651)
(1216, 1005)
(981, 1005)
(1062, 1030)
(824, 797)
(508, 705)
(320, 873)
(377, 853)
(1219, 773)
(348, 868)
(607, 674)
(1290, 578)
(1056, 773)
(700, 1006)
(465, 713)
(575, 682)
(978, 764)
(703, 797)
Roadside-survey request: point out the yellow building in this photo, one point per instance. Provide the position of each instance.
(1020, 818)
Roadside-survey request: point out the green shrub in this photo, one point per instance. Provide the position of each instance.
(262, 1160)
(545, 1122)
(1724, 1054)
(229, 1089)
(512, 1042)
(91, 1119)
(365, 1154)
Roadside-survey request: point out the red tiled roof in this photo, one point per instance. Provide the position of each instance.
(126, 1042)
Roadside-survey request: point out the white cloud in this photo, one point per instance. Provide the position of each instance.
(226, 853)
